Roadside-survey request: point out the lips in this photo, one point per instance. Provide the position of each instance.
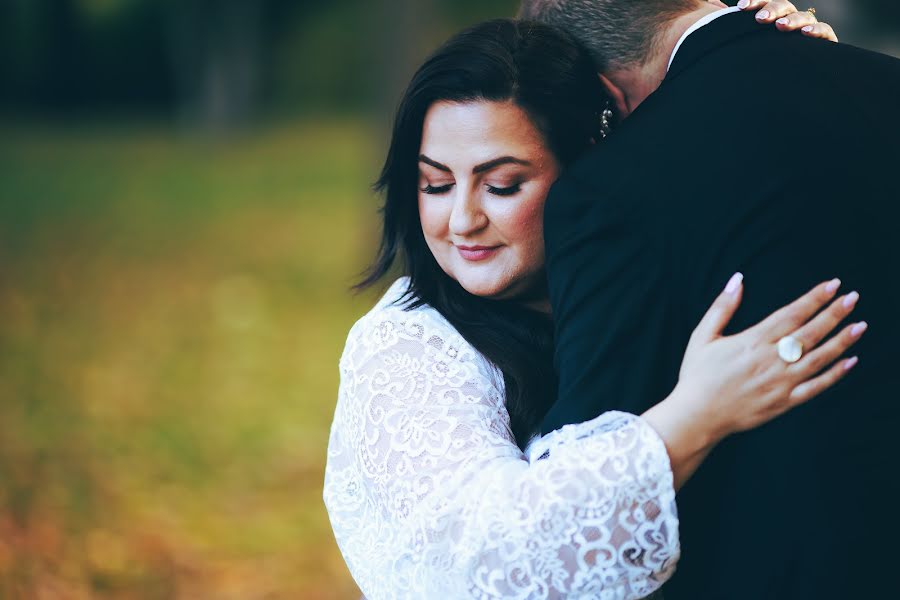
(477, 253)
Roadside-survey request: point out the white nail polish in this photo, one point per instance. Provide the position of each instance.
(734, 283)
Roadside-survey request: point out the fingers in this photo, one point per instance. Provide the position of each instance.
(795, 21)
(788, 319)
(748, 5)
(820, 30)
(788, 18)
(775, 10)
(820, 358)
(814, 387)
(721, 311)
(824, 323)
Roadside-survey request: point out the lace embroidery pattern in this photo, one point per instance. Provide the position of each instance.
(429, 496)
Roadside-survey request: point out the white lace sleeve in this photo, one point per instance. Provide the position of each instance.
(429, 496)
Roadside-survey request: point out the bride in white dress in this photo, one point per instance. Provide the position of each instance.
(436, 483)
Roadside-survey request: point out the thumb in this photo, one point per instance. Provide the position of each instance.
(721, 311)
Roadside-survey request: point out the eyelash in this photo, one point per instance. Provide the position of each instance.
(504, 191)
(443, 189)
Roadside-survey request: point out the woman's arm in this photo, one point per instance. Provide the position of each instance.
(430, 497)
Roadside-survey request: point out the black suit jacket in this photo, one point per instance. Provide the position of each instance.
(775, 155)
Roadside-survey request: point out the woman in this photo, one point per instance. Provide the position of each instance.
(445, 381)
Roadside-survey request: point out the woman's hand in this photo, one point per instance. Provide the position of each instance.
(739, 382)
(787, 18)
(734, 383)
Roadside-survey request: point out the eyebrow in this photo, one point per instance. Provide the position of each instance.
(486, 166)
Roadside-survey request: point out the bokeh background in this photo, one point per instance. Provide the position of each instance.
(184, 202)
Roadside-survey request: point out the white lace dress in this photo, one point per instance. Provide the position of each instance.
(429, 496)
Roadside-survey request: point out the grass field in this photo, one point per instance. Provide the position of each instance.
(172, 310)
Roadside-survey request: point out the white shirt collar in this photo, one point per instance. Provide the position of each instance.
(700, 23)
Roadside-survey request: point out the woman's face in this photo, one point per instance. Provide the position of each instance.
(484, 174)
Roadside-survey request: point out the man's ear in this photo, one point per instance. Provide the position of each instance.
(616, 95)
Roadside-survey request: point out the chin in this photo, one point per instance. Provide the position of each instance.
(504, 288)
(484, 290)
(484, 287)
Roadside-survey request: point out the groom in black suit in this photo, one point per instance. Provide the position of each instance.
(702, 175)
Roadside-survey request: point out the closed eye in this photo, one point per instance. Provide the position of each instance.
(441, 189)
(504, 191)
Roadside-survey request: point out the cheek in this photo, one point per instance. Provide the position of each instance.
(526, 224)
(433, 217)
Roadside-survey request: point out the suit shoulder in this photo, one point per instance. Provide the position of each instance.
(612, 176)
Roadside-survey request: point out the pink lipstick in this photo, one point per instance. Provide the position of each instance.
(477, 253)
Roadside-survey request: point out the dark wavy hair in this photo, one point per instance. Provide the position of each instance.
(554, 81)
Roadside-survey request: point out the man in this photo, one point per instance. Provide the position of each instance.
(643, 233)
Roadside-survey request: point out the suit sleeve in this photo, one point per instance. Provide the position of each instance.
(607, 284)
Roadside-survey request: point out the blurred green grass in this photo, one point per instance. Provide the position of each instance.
(172, 310)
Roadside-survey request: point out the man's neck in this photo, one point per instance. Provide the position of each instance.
(638, 81)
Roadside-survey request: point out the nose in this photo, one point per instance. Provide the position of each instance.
(467, 215)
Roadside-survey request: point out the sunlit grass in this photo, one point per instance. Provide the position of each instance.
(172, 314)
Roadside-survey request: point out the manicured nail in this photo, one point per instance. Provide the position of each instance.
(857, 330)
(833, 285)
(734, 283)
(850, 363)
(850, 299)
(762, 15)
(743, 4)
(808, 28)
(783, 21)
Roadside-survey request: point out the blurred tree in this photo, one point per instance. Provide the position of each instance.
(216, 64)
(64, 55)
(402, 36)
(82, 56)
(61, 50)
(406, 31)
(215, 51)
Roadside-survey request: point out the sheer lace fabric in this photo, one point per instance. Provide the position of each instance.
(429, 496)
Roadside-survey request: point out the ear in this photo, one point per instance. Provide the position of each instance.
(718, 3)
(616, 95)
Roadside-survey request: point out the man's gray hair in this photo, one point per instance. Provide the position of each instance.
(617, 33)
